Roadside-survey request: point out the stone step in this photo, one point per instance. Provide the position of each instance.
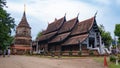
(84, 51)
(85, 54)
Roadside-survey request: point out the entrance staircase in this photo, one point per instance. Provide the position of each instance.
(85, 51)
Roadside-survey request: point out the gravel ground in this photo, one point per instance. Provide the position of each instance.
(35, 62)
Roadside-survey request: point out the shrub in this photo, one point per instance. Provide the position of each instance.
(119, 56)
(112, 58)
(91, 52)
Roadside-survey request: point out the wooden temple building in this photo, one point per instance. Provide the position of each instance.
(22, 40)
(71, 36)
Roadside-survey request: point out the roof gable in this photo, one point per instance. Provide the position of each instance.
(68, 25)
(83, 26)
(55, 25)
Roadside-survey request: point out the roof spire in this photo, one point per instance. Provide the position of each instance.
(24, 7)
(65, 15)
(77, 15)
(23, 21)
(24, 14)
(95, 14)
(55, 19)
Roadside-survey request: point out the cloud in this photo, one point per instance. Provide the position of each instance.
(40, 12)
(104, 2)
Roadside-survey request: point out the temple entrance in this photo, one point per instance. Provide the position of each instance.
(91, 42)
(65, 48)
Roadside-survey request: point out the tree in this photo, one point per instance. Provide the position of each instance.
(39, 34)
(106, 37)
(117, 31)
(2, 3)
(6, 26)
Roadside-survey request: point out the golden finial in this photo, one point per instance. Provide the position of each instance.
(24, 7)
(65, 15)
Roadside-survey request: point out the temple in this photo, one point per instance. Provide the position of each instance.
(71, 37)
(22, 40)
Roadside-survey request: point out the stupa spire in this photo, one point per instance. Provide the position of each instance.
(23, 21)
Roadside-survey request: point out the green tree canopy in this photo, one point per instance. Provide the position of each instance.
(39, 34)
(6, 25)
(106, 37)
(2, 3)
(117, 31)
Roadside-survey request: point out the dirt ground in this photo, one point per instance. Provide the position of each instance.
(36, 62)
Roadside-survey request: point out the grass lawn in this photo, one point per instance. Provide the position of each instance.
(110, 64)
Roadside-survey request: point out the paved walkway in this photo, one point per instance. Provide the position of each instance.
(35, 62)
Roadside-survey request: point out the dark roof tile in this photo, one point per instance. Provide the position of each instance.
(47, 36)
(68, 25)
(83, 26)
(75, 40)
(60, 37)
(55, 25)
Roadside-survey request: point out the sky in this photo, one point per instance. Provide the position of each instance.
(40, 13)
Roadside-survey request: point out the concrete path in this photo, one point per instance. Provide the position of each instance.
(35, 62)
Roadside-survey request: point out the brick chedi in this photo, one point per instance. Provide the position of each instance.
(22, 41)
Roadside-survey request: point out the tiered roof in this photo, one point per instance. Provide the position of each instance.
(80, 32)
(60, 37)
(71, 32)
(23, 23)
(55, 25)
(65, 30)
(75, 40)
(83, 27)
(68, 25)
(52, 29)
(47, 36)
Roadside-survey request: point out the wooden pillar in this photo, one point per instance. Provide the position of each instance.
(37, 47)
(59, 51)
(88, 42)
(95, 42)
(79, 45)
(45, 49)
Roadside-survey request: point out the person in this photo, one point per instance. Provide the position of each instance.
(4, 52)
(8, 52)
